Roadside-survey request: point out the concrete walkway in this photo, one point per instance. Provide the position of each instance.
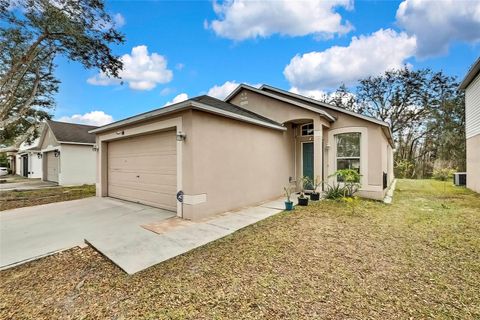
(27, 184)
(33, 232)
(140, 249)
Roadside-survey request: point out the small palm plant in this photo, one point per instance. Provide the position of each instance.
(302, 199)
(315, 183)
(288, 194)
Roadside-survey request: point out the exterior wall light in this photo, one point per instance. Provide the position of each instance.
(95, 148)
(39, 155)
(56, 153)
(181, 136)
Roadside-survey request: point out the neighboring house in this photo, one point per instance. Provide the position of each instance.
(68, 153)
(471, 85)
(224, 155)
(11, 153)
(29, 160)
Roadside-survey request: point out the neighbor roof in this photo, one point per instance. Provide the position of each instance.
(203, 103)
(71, 132)
(471, 74)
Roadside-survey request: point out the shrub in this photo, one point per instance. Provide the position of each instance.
(349, 184)
(443, 174)
(403, 168)
(334, 192)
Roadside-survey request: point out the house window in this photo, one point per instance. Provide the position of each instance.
(348, 151)
(307, 129)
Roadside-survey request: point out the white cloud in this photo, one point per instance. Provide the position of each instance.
(118, 20)
(222, 91)
(243, 19)
(179, 98)
(438, 23)
(314, 94)
(141, 70)
(94, 118)
(364, 56)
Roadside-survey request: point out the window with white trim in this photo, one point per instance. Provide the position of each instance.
(307, 129)
(348, 151)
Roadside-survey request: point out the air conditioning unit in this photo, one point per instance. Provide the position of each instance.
(460, 179)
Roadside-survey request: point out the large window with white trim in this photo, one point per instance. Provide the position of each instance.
(348, 151)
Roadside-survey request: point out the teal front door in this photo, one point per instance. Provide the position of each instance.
(307, 162)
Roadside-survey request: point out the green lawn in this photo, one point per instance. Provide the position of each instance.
(17, 199)
(418, 258)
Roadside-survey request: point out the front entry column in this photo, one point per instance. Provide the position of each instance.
(318, 149)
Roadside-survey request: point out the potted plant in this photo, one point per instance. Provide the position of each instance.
(288, 203)
(315, 183)
(302, 198)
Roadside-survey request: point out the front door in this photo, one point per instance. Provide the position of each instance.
(307, 162)
(25, 166)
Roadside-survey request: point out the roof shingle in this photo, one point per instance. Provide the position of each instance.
(72, 132)
(220, 104)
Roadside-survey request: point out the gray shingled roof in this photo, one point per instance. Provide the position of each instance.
(220, 104)
(471, 74)
(72, 132)
(197, 102)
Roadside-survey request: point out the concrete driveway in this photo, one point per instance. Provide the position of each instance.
(29, 233)
(131, 235)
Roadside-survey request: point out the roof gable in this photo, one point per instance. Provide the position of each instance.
(288, 100)
(71, 132)
(298, 97)
(310, 104)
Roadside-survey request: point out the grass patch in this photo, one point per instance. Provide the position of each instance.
(412, 259)
(18, 199)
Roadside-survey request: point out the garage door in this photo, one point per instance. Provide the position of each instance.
(52, 167)
(144, 169)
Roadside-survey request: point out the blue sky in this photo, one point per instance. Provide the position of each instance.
(186, 48)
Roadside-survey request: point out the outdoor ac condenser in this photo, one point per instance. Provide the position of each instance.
(460, 178)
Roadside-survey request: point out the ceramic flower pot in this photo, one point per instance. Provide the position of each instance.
(288, 205)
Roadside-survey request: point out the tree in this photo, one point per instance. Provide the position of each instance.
(425, 111)
(32, 34)
(342, 98)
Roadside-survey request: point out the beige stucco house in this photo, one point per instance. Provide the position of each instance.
(471, 85)
(68, 153)
(224, 155)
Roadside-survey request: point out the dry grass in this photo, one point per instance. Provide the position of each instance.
(18, 199)
(418, 258)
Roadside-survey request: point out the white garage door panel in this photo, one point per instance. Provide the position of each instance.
(52, 167)
(144, 169)
(160, 164)
(145, 180)
(151, 198)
